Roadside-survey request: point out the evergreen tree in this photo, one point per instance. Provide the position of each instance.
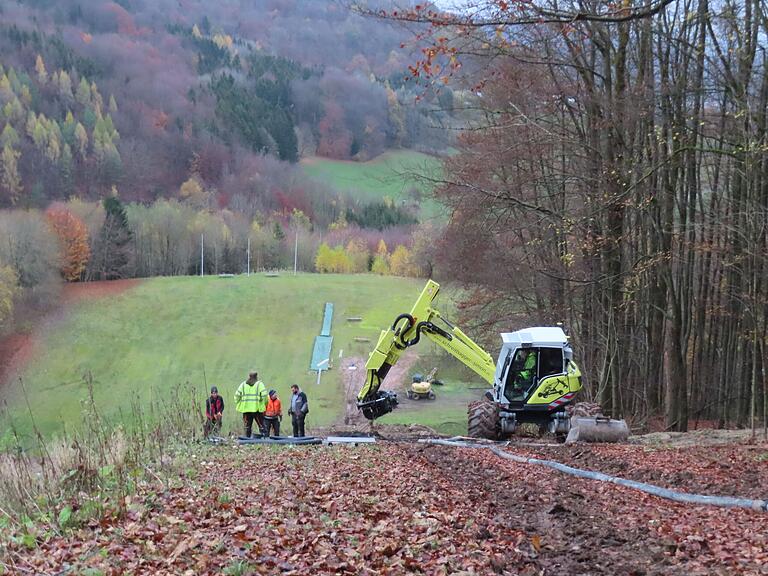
(42, 74)
(9, 136)
(277, 232)
(114, 250)
(65, 87)
(83, 94)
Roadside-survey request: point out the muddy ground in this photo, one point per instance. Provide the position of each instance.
(353, 377)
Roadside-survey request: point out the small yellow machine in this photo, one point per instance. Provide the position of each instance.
(421, 386)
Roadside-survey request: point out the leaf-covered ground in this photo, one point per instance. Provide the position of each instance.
(405, 508)
(721, 470)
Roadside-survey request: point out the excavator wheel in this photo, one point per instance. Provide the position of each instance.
(483, 420)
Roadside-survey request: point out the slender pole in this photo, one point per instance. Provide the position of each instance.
(249, 256)
(296, 253)
(202, 255)
(319, 369)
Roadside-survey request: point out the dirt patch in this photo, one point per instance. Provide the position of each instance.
(705, 437)
(78, 291)
(15, 351)
(353, 377)
(585, 527)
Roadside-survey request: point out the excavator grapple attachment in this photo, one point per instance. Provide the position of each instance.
(597, 429)
(383, 403)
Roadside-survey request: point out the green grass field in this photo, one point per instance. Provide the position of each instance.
(170, 331)
(387, 175)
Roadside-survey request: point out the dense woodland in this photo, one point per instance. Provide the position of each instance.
(617, 180)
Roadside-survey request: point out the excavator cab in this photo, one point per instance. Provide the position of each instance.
(528, 367)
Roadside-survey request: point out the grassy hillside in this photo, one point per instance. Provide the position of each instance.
(170, 331)
(388, 175)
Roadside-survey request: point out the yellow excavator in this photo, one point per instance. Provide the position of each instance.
(534, 380)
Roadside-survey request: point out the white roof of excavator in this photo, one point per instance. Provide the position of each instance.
(539, 336)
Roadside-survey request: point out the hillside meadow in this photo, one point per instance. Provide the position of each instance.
(394, 175)
(165, 333)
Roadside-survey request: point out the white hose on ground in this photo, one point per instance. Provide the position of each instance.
(724, 501)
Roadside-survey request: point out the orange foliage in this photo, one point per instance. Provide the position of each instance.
(125, 24)
(73, 242)
(160, 119)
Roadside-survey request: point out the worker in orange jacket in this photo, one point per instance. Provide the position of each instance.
(273, 414)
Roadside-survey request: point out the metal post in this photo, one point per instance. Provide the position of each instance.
(202, 254)
(319, 365)
(296, 253)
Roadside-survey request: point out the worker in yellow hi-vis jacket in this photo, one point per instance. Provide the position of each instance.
(251, 402)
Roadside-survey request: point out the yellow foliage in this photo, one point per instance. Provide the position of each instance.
(381, 260)
(340, 223)
(8, 290)
(193, 192)
(332, 260)
(223, 41)
(357, 252)
(10, 180)
(42, 74)
(401, 262)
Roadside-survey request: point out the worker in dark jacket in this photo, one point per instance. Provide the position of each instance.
(298, 411)
(214, 411)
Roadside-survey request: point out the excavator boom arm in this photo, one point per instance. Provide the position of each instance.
(406, 331)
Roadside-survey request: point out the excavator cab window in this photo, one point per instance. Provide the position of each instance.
(521, 375)
(528, 366)
(550, 362)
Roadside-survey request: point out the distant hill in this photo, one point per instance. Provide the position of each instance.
(168, 89)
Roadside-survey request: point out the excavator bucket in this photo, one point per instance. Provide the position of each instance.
(597, 429)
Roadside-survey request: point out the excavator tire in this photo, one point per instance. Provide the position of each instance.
(483, 420)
